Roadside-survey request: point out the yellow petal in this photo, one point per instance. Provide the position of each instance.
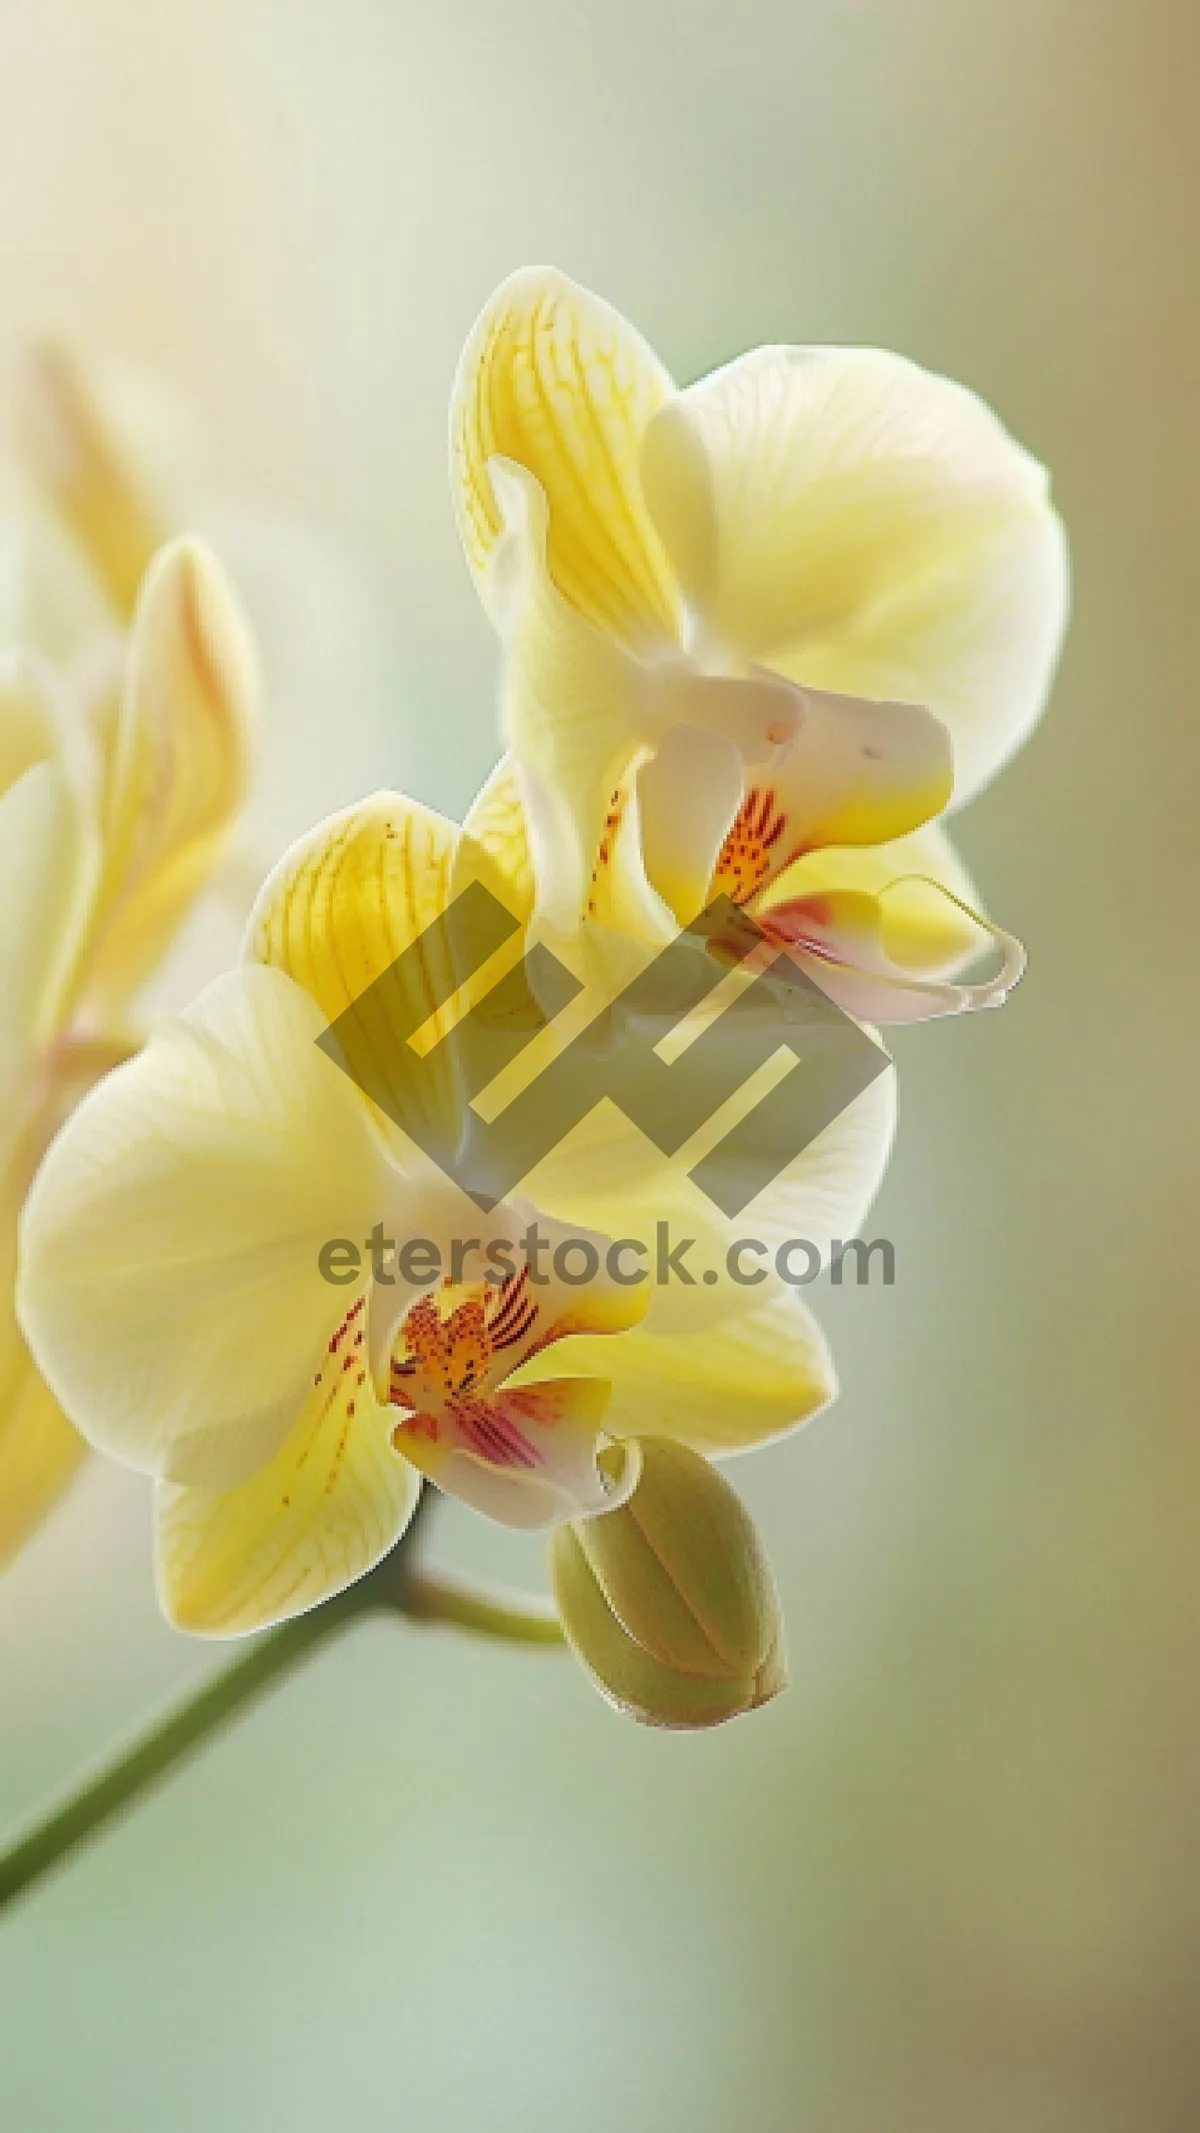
(555, 380)
(90, 474)
(48, 863)
(608, 1173)
(170, 1287)
(562, 825)
(938, 934)
(40, 1454)
(865, 527)
(494, 846)
(724, 1388)
(180, 761)
(333, 1499)
(368, 887)
(569, 701)
(28, 730)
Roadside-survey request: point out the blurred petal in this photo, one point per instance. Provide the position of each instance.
(48, 862)
(48, 595)
(555, 380)
(170, 1286)
(28, 729)
(333, 1499)
(40, 1453)
(90, 474)
(180, 761)
(867, 528)
(719, 1389)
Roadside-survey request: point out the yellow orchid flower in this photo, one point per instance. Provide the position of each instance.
(236, 1345)
(757, 634)
(116, 793)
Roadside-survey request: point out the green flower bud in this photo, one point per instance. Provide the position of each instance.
(669, 1601)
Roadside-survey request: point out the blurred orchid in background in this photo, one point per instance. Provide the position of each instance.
(117, 793)
(135, 835)
(126, 704)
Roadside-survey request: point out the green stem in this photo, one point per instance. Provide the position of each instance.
(511, 1616)
(391, 1586)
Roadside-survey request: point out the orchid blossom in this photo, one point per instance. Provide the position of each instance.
(117, 791)
(757, 635)
(287, 1420)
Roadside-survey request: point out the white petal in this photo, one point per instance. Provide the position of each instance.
(171, 1288)
(526, 1455)
(865, 527)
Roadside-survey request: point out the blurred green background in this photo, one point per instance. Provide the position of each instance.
(949, 1883)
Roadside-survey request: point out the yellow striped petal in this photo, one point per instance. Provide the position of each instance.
(867, 528)
(333, 1499)
(179, 764)
(338, 912)
(90, 475)
(557, 381)
(171, 1288)
(494, 846)
(721, 1388)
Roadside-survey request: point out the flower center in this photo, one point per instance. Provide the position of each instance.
(444, 1358)
(748, 854)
